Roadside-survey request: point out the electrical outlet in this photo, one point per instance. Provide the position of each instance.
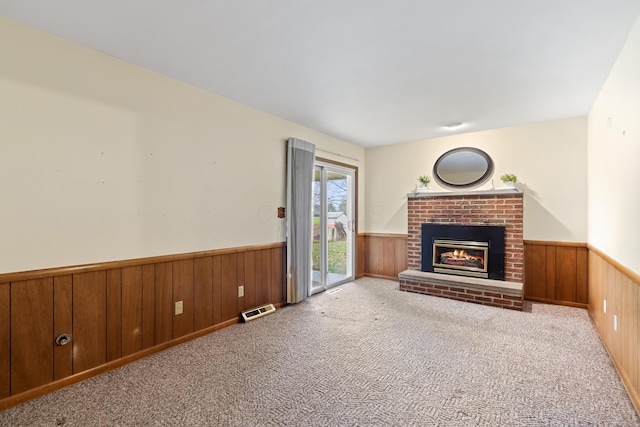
(615, 323)
(604, 305)
(179, 307)
(240, 291)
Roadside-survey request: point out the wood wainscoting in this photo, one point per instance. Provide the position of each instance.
(619, 326)
(117, 312)
(360, 255)
(556, 272)
(385, 255)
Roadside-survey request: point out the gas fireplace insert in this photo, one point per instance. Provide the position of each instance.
(464, 250)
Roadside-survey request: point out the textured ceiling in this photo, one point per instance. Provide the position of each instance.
(372, 72)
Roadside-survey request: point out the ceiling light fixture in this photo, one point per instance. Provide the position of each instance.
(454, 125)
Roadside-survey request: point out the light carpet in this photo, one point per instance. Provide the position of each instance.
(368, 355)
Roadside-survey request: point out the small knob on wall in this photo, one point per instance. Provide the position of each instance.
(63, 339)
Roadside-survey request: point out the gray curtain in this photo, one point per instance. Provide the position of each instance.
(300, 163)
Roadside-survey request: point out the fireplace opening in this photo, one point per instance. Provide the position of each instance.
(467, 257)
(464, 250)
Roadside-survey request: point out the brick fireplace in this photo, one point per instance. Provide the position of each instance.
(473, 208)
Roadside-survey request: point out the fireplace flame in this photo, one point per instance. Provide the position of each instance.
(461, 255)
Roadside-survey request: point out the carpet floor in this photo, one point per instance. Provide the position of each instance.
(366, 355)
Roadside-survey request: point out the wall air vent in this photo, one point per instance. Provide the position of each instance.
(254, 313)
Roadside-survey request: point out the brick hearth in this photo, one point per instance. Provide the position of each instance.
(495, 207)
(495, 293)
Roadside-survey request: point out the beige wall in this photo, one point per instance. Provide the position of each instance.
(549, 159)
(101, 160)
(614, 156)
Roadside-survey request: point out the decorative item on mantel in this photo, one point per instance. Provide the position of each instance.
(423, 181)
(509, 180)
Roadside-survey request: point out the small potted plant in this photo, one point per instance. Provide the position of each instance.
(509, 179)
(424, 181)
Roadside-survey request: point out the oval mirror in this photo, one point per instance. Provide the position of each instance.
(463, 168)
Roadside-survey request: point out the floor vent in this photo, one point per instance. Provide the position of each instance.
(254, 313)
(334, 290)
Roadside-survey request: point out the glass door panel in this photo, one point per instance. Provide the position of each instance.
(333, 226)
(317, 252)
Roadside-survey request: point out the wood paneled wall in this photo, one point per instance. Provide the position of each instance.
(619, 327)
(120, 309)
(555, 272)
(360, 255)
(385, 255)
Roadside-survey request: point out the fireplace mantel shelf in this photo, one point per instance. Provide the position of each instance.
(495, 192)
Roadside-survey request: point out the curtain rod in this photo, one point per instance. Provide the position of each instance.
(337, 154)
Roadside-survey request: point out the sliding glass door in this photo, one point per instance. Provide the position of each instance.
(333, 225)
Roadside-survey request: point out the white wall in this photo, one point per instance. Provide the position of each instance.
(101, 160)
(614, 160)
(550, 160)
